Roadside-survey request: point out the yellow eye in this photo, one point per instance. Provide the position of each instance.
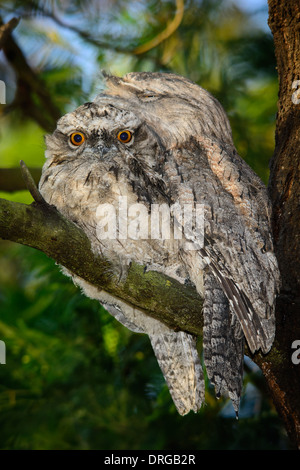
(125, 136)
(77, 138)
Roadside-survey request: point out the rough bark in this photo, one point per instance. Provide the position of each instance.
(283, 377)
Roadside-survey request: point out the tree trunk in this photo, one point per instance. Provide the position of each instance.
(282, 375)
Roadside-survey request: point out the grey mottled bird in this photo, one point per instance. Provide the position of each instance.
(159, 139)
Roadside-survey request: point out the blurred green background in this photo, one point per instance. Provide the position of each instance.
(74, 378)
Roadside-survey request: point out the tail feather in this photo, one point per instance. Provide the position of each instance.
(178, 359)
(223, 342)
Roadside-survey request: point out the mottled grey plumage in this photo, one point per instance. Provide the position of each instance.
(181, 152)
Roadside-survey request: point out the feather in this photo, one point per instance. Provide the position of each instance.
(179, 361)
(223, 344)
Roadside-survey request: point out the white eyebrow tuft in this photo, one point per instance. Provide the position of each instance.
(131, 85)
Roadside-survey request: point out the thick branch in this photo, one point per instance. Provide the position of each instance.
(42, 227)
(282, 375)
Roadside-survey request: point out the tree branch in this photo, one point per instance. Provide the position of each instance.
(41, 226)
(167, 32)
(31, 185)
(32, 95)
(6, 29)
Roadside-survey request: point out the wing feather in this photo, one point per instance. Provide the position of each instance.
(237, 235)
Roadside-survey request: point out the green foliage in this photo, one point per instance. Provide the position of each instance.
(75, 378)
